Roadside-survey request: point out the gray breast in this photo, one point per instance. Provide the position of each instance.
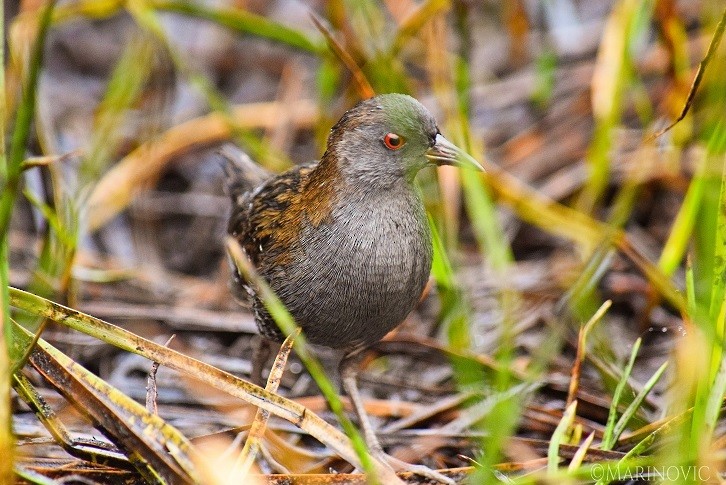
(362, 274)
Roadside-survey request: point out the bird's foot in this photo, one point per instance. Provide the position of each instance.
(402, 466)
(348, 377)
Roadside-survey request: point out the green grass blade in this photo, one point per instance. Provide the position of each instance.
(560, 436)
(679, 237)
(716, 388)
(608, 86)
(719, 255)
(582, 293)
(125, 86)
(479, 203)
(705, 233)
(715, 399)
(243, 22)
(455, 313)
(546, 71)
(645, 444)
(7, 440)
(494, 247)
(66, 236)
(631, 410)
(10, 172)
(609, 434)
(582, 349)
(611, 79)
(12, 169)
(690, 289)
(484, 221)
(23, 120)
(93, 9)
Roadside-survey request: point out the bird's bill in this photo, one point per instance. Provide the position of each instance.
(446, 153)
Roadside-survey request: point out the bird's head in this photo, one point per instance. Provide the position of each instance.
(388, 138)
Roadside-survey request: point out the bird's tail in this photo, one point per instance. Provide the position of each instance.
(241, 173)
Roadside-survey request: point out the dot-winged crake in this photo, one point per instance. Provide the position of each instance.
(344, 242)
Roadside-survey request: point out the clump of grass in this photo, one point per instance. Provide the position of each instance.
(10, 172)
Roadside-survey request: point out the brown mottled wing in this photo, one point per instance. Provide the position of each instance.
(264, 221)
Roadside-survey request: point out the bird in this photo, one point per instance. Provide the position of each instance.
(344, 242)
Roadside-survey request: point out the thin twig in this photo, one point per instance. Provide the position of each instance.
(365, 90)
(44, 161)
(713, 46)
(581, 345)
(151, 391)
(257, 431)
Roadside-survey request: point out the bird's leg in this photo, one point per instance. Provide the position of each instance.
(348, 376)
(349, 379)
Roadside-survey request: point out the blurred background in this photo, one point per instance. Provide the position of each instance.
(122, 213)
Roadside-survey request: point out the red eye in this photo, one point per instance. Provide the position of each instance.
(393, 141)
